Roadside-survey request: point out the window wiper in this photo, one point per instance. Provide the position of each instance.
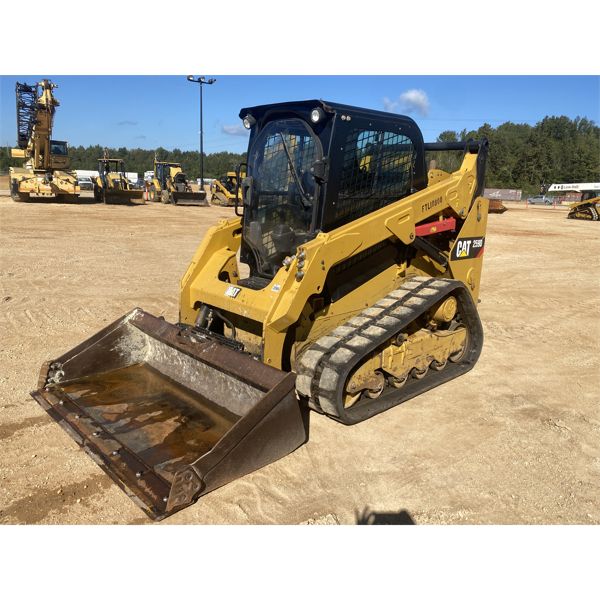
(304, 197)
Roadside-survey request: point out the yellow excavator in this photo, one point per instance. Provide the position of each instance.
(45, 173)
(112, 186)
(347, 283)
(170, 185)
(225, 191)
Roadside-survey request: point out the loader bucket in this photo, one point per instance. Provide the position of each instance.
(169, 414)
(123, 196)
(195, 198)
(220, 199)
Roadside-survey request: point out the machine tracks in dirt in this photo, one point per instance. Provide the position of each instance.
(325, 366)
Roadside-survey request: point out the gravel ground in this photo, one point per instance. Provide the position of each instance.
(516, 440)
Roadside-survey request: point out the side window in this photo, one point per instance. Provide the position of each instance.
(377, 168)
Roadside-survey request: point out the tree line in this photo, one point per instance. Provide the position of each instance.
(555, 150)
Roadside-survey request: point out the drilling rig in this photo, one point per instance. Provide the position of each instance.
(45, 172)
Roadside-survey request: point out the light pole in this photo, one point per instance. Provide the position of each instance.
(201, 81)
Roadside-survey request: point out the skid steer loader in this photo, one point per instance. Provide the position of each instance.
(225, 190)
(171, 186)
(360, 290)
(112, 186)
(587, 209)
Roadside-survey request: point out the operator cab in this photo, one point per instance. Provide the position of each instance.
(163, 173)
(229, 181)
(314, 166)
(111, 165)
(59, 154)
(58, 148)
(589, 195)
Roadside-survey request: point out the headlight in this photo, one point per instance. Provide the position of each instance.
(249, 121)
(316, 115)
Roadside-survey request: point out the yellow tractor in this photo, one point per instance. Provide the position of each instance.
(112, 186)
(45, 172)
(347, 283)
(225, 190)
(170, 185)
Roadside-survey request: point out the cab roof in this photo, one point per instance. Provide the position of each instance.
(328, 107)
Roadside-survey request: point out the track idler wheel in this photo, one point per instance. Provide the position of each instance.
(419, 374)
(376, 391)
(438, 366)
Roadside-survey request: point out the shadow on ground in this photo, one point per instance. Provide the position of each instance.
(371, 517)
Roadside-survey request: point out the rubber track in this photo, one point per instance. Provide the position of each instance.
(323, 368)
(590, 209)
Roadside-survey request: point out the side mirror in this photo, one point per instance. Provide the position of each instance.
(238, 171)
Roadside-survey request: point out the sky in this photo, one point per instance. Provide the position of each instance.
(152, 111)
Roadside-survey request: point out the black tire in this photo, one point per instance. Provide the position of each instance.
(165, 197)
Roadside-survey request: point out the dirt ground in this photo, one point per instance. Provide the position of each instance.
(516, 440)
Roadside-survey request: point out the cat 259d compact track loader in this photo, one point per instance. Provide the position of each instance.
(360, 292)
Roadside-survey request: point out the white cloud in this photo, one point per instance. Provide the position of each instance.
(234, 130)
(409, 101)
(389, 105)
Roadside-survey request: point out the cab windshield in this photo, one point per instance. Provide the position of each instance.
(280, 214)
(58, 148)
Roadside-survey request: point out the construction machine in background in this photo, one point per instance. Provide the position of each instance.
(361, 291)
(112, 185)
(226, 190)
(45, 172)
(496, 206)
(588, 206)
(170, 185)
